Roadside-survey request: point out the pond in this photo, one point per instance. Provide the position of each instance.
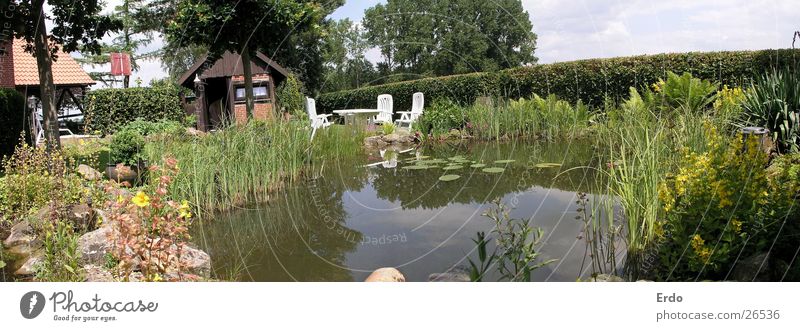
(366, 211)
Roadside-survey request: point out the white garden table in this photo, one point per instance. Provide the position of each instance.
(354, 116)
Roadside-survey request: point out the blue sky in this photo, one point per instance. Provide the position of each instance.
(581, 29)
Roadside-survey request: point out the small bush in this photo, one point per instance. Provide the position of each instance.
(12, 120)
(685, 92)
(107, 110)
(442, 116)
(126, 147)
(291, 98)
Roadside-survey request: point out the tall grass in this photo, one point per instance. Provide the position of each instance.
(246, 164)
(235, 166)
(547, 118)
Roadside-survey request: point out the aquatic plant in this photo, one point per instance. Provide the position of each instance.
(516, 247)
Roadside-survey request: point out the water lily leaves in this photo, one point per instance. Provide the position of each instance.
(452, 167)
(504, 161)
(417, 167)
(447, 178)
(477, 165)
(493, 170)
(547, 165)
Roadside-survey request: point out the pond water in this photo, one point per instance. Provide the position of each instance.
(366, 211)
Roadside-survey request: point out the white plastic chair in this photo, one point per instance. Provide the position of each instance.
(409, 117)
(317, 121)
(385, 105)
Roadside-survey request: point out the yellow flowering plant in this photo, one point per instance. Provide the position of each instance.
(713, 207)
(153, 230)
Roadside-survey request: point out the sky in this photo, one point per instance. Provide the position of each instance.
(581, 29)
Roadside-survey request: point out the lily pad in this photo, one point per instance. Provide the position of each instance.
(547, 165)
(452, 167)
(417, 167)
(447, 178)
(477, 165)
(504, 161)
(493, 170)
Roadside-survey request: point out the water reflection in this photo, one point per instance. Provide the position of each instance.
(366, 211)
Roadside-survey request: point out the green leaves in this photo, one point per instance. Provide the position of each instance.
(449, 178)
(109, 109)
(773, 102)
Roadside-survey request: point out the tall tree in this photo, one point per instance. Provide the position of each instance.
(344, 49)
(430, 37)
(245, 27)
(77, 24)
(135, 34)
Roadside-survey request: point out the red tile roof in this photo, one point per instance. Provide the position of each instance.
(66, 71)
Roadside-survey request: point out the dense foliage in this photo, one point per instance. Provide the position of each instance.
(291, 98)
(773, 102)
(12, 120)
(591, 81)
(431, 37)
(109, 109)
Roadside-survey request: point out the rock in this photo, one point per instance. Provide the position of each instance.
(391, 138)
(455, 274)
(752, 269)
(21, 234)
(194, 132)
(81, 216)
(96, 273)
(605, 278)
(30, 265)
(89, 173)
(386, 275)
(95, 245)
(196, 261)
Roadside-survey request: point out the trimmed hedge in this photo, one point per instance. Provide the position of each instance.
(12, 120)
(109, 109)
(588, 80)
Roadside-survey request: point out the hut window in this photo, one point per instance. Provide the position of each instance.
(259, 93)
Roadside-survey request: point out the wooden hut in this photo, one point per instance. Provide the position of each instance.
(219, 89)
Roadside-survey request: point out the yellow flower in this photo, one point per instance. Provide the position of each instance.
(156, 278)
(185, 210)
(736, 225)
(141, 199)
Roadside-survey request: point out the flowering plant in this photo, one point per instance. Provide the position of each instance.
(713, 206)
(153, 230)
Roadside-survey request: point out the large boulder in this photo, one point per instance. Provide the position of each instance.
(81, 216)
(455, 274)
(96, 245)
(89, 173)
(96, 273)
(31, 264)
(386, 275)
(196, 261)
(21, 234)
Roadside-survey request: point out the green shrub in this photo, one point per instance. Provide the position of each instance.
(686, 92)
(442, 116)
(591, 81)
(61, 262)
(291, 98)
(388, 128)
(109, 109)
(713, 207)
(773, 102)
(127, 146)
(33, 179)
(12, 119)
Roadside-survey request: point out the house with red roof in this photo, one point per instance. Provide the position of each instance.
(18, 70)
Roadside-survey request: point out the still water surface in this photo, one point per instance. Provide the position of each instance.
(366, 211)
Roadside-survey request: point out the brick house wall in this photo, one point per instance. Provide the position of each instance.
(7, 66)
(263, 109)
